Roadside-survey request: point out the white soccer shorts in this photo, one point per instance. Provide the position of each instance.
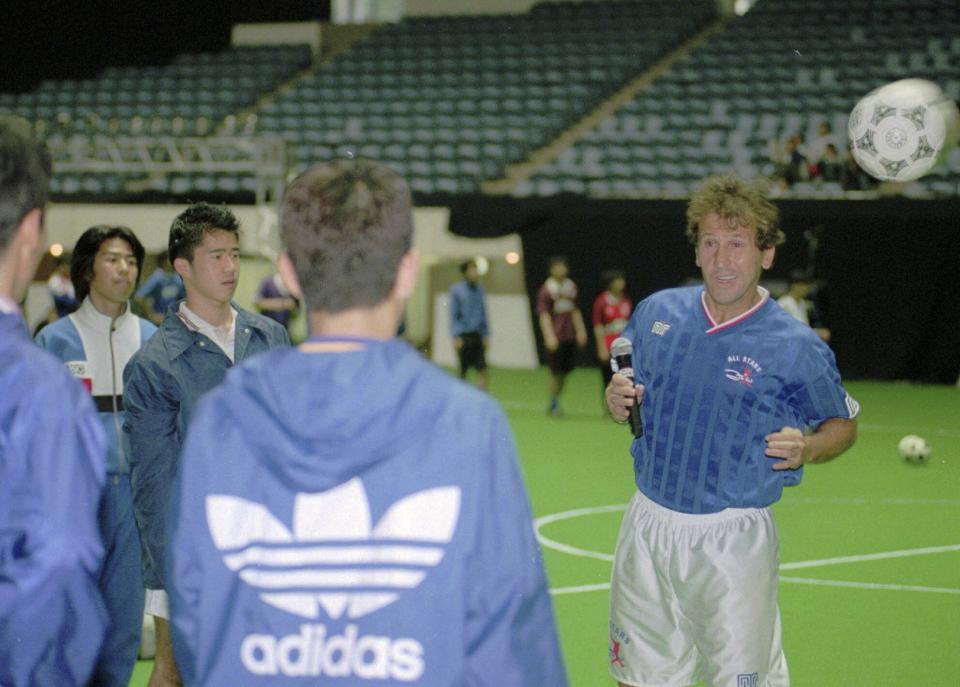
(694, 597)
(156, 602)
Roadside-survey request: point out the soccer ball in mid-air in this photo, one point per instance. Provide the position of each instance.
(898, 132)
(914, 449)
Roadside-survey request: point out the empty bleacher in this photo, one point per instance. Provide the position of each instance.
(450, 101)
(779, 70)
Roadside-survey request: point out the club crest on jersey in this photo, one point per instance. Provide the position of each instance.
(742, 369)
(660, 328)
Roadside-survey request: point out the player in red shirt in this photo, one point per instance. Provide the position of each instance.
(562, 327)
(611, 312)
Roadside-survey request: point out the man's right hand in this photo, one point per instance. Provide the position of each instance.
(458, 343)
(551, 343)
(620, 395)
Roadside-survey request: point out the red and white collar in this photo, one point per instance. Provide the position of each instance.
(714, 327)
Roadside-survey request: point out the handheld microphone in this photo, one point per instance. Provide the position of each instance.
(621, 361)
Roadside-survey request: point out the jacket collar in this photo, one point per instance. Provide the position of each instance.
(178, 338)
(96, 319)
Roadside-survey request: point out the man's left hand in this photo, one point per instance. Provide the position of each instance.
(790, 444)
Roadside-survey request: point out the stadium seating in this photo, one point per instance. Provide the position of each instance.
(782, 69)
(450, 101)
(453, 101)
(189, 97)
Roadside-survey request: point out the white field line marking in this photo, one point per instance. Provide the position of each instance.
(602, 586)
(566, 515)
(869, 585)
(922, 431)
(869, 557)
(866, 501)
(793, 580)
(576, 551)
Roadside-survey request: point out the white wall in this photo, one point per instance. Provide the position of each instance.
(278, 33)
(425, 8)
(511, 335)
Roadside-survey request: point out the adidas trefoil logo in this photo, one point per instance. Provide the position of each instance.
(334, 558)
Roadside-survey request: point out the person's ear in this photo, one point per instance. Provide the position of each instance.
(30, 231)
(407, 272)
(768, 256)
(181, 266)
(288, 274)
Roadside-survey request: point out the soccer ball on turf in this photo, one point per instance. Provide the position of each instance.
(900, 131)
(914, 449)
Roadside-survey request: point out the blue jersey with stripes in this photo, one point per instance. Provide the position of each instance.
(714, 391)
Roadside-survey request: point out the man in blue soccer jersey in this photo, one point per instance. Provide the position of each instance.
(52, 618)
(95, 342)
(736, 397)
(200, 338)
(468, 322)
(346, 511)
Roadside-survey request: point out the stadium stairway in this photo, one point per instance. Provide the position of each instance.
(516, 174)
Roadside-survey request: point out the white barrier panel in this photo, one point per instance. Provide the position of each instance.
(511, 332)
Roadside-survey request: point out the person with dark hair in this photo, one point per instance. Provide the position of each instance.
(561, 325)
(198, 341)
(95, 342)
(735, 397)
(468, 322)
(387, 535)
(162, 289)
(611, 310)
(52, 617)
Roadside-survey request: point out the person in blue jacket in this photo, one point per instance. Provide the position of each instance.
(52, 617)
(345, 510)
(162, 288)
(95, 342)
(199, 339)
(468, 322)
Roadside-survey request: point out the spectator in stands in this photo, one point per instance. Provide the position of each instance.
(274, 300)
(468, 322)
(790, 163)
(611, 311)
(561, 325)
(52, 468)
(818, 146)
(163, 288)
(830, 166)
(853, 177)
(197, 343)
(798, 303)
(96, 342)
(413, 492)
(61, 288)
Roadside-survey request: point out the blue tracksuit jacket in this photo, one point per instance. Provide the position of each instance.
(347, 512)
(52, 619)
(96, 348)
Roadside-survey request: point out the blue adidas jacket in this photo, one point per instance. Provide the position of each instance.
(359, 515)
(52, 618)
